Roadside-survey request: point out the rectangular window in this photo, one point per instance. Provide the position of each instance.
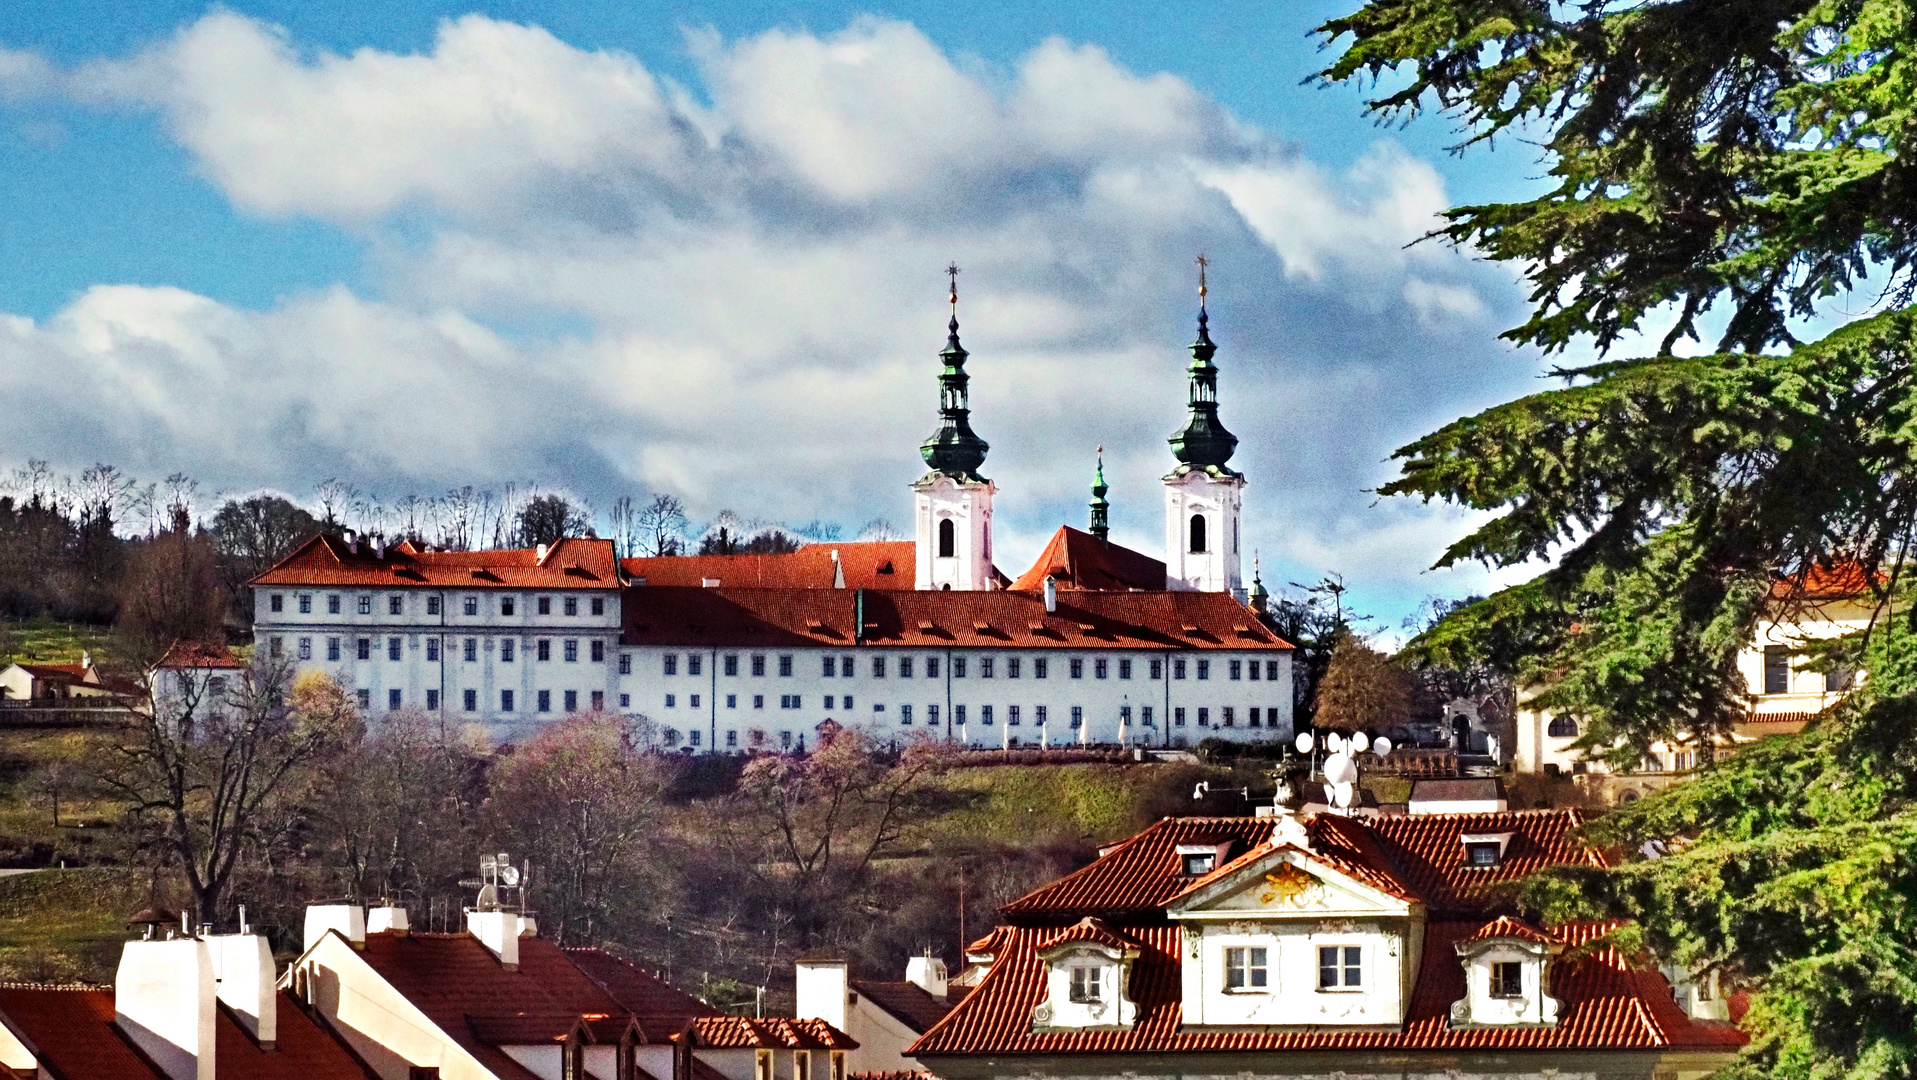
(1038, 715)
(1076, 668)
(1124, 669)
(1777, 669)
(572, 701)
(1204, 717)
(1271, 670)
(1158, 669)
(732, 738)
(1011, 716)
(470, 699)
(432, 650)
(694, 663)
(785, 664)
(598, 605)
(732, 701)
(1178, 717)
(958, 715)
(392, 649)
(1507, 979)
(1252, 670)
(392, 699)
(469, 605)
(1178, 669)
(364, 648)
(1011, 667)
(1481, 854)
(785, 740)
(1225, 717)
(829, 699)
(932, 715)
(275, 647)
(572, 605)
(469, 650)
(905, 716)
(1839, 680)
(1078, 717)
(758, 701)
(396, 604)
(1099, 667)
(545, 605)
(572, 650)
(671, 661)
(276, 602)
(931, 667)
(1233, 668)
(1124, 716)
(544, 652)
(672, 701)
(958, 667)
(432, 701)
(332, 604)
(598, 652)
(845, 667)
(985, 715)
(506, 605)
(545, 701)
(332, 648)
(625, 663)
(365, 604)
(847, 704)
(365, 698)
(905, 667)
(732, 664)
(1145, 717)
(985, 666)
(625, 702)
(507, 649)
(1085, 984)
(1340, 967)
(758, 664)
(306, 603)
(1245, 968)
(505, 701)
(828, 666)
(878, 667)
(1204, 669)
(1041, 666)
(1251, 714)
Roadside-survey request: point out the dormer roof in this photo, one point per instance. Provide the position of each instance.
(1506, 928)
(1091, 931)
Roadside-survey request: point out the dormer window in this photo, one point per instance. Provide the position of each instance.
(1197, 860)
(1085, 984)
(1088, 966)
(1197, 864)
(1482, 854)
(1246, 968)
(1507, 979)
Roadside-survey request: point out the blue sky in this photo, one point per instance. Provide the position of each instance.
(623, 248)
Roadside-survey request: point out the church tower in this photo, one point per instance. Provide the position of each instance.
(1203, 495)
(952, 510)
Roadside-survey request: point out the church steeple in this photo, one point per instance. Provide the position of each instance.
(954, 449)
(1101, 510)
(1203, 443)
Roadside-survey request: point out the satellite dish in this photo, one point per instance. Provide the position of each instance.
(1335, 743)
(1303, 742)
(509, 876)
(1341, 795)
(1382, 747)
(488, 898)
(1360, 742)
(1340, 769)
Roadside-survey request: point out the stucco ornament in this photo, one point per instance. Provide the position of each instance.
(1292, 887)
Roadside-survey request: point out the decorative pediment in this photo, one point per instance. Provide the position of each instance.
(1280, 882)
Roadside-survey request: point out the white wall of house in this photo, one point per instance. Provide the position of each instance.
(1218, 566)
(386, 1030)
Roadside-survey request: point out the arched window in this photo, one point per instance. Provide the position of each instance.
(1562, 727)
(1198, 533)
(948, 539)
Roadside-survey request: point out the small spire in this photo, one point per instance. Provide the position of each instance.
(1260, 599)
(1101, 510)
(1203, 443)
(954, 449)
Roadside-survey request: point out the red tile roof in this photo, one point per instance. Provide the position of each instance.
(881, 564)
(1079, 560)
(572, 563)
(662, 1009)
(1427, 853)
(939, 619)
(200, 654)
(781, 1033)
(72, 1032)
(57, 672)
(1821, 582)
(1091, 929)
(1506, 927)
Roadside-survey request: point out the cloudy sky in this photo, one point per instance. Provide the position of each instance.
(698, 249)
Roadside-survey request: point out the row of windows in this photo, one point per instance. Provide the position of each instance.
(1777, 673)
(469, 605)
(469, 700)
(987, 715)
(469, 650)
(1340, 967)
(846, 667)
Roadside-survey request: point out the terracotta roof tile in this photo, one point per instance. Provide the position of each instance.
(572, 563)
(886, 564)
(926, 618)
(1091, 929)
(1504, 926)
(1079, 560)
(200, 654)
(1427, 853)
(780, 1033)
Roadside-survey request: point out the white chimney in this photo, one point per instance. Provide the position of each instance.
(348, 919)
(499, 932)
(243, 969)
(928, 974)
(539, 554)
(821, 989)
(352, 541)
(379, 545)
(838, 570)
(86, 659)
(386, 917)
(164, 1001)
(1051, 595)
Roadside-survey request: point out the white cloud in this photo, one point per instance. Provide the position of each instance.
(623, 289)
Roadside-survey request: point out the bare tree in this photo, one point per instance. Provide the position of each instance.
(206, 767)
(336, 499)
(880, 530)
(397, 813)
(662, 525)
(182, 495)
(1362, 690)
(460, 518)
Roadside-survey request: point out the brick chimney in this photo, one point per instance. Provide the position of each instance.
(163, 1000)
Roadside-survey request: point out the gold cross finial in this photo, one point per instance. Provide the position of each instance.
(952, 272)
(1202, 263)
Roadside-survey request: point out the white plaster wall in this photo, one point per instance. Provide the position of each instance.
(969, 507)
(1293, 996)
(1220, 567)
(882, 1040)
(1486, 1009)
(384, 1028)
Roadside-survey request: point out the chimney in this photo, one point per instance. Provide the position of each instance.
(352, 541)
(386, 917)
(379, 545)
(245, 979)
(928, 974)
(499, 932)
(838, 570)
(539, 554)
(1051, 595)
(348, 919)
(821, 987)
(163, 1001)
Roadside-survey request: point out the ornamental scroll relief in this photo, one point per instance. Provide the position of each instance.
(1292, 887)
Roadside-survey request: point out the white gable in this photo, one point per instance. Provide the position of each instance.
(1286, 883)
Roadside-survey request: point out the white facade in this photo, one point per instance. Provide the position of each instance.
(953, 521)
(1202, 532)
(735, 699)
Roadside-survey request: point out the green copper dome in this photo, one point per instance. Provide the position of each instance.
(955, 449)
(1101, 510)
(1203, 443)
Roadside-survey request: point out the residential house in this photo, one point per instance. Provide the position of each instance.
(884, 1017)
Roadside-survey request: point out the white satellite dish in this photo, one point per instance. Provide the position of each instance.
(1340, 769)
(1335, 743)
(1360, 742)
(509, 876)
(1382, 747)
(1303, 742)
(1341, 795)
